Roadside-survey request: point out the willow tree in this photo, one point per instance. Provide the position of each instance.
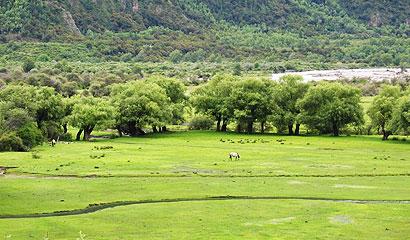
(175, 91)
(328, 107)
(252, 101)
(89, 113)
(213, 99)
(381, 109)
(401, 115)
(140, 104)
(288, 92)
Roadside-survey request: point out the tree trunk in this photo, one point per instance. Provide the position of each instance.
(65, 128)
(140, 132)
(78, 138)
(262, 127)
(297, 129)
(164, 129)
(132, 129)
(218, 124)
(224, 127)
(86, 136)
(290, 129)
(386, 134)
(154, 129)
(239, 127)
(39, 124)
(249, 128)
(87, 133)
(119, 131)
(335, 130)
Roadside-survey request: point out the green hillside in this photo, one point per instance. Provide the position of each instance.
(267, 35)
(51, 18)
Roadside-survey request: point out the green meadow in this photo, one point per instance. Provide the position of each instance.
(182, 185)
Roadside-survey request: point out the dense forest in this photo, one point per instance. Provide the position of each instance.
(275, 34)
(43, 19)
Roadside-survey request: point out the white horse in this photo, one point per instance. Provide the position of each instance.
(234, 155)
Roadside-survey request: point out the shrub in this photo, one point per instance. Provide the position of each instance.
(28, 65)
(69, 89)
(2, 84)
(51, 130)
(237, 69)
(35, 155)
(30, 135)
(43, 58)
(11, 142)
(176, 56)
(127, 57)
(66, 137)
(201, 123)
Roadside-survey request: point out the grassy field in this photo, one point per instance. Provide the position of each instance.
(183, 186)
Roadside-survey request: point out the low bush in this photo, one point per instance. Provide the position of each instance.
(28, 66)
(201, 123)
(11, 142)
(30, 135)
(52, 130)
(2, 84)
(66, 137)
(35, 155)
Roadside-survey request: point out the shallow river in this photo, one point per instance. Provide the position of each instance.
(374, 74)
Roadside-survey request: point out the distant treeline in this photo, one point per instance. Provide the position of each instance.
(249, 45)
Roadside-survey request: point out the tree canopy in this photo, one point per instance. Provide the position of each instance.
(382, 107)
(328, 107)
(213, 99)
(89, 113)
(288, 92)
(141, 103)
(252, 101)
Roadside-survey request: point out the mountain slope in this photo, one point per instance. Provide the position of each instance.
(50, 18)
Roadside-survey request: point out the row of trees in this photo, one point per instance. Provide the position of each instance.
(289, 103)
(327, 107)
(27, 115)
(390, 110)
(247, 44)
(31, 114)
(323, 107)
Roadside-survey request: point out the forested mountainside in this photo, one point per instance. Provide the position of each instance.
(46, 19)
(269, 35)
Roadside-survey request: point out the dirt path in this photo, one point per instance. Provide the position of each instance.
(99, 207)
(3, 170)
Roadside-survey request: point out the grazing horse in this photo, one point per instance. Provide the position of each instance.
(234, 155)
